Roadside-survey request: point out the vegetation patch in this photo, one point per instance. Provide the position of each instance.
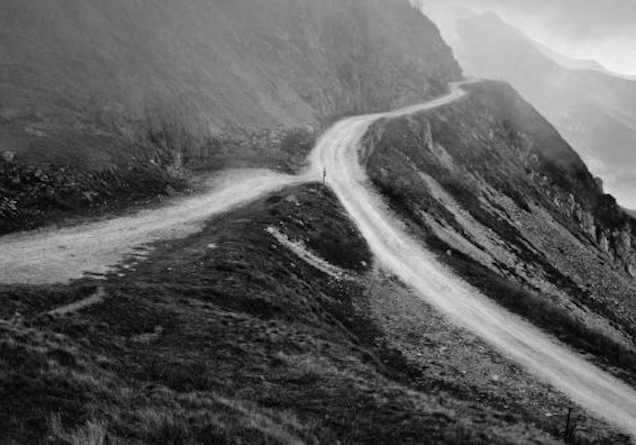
(242, 342)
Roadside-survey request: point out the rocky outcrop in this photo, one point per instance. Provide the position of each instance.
(611, 235)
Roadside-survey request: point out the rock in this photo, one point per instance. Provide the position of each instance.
(8, 156)
(292, 199)
(90, 195)
(603, 242)
(631, 266)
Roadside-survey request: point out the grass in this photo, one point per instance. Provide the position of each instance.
(33, 196)
(156, 160)
(242, 343)
(93, 433)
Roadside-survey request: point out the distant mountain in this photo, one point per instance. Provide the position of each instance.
(595, 111)
(579, 64)
(568, 62)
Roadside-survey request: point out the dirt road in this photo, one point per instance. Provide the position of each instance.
(339, 152)
(57, 256)
(66, 254)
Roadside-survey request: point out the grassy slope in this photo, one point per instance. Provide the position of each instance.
(227, 337)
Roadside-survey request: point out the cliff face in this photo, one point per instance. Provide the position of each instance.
(89, 67)
(491, 185)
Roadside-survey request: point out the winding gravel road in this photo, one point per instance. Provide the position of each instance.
(62, 255)
(59, 256)
(339, 152)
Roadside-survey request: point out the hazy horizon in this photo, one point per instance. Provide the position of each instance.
(579, 29)
(617, 175)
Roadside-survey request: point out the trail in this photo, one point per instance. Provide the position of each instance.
(339, 152)
(62, 255)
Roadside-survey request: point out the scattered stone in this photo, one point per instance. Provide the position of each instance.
(149, 337)
(8, 156)
(292, 199)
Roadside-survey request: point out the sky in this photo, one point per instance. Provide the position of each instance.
(601, 30)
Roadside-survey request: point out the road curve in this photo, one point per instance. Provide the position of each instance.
(339, 152)
(62, 255)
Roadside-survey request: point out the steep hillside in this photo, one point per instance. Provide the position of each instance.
(493, 188)
(138, 89)
(271, 326)
(595, 111)
(69, 65)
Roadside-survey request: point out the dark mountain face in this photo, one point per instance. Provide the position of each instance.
(88, 68)
(595, 111)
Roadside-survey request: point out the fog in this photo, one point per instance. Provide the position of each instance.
(539, 49)
(581, 29)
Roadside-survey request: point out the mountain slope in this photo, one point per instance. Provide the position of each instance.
(492, 187)
(216, 63)
(595, 111)
(248, 343)
(104, 100)
(270, 326)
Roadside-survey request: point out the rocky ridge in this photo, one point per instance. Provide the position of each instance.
(491, 185)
